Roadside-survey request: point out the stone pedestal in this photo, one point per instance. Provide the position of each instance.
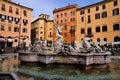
(75, 58)
(28, 56)
(81, 59)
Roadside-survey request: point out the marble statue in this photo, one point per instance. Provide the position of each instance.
(86, 47)
(37, 46)
(59, 39)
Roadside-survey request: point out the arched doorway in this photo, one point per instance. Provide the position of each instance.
(116, 39)
(9, 41)
(2, 44)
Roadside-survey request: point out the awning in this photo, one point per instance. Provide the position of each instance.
(116, 43)
(10, 40)
(25, 39)
(2, 40)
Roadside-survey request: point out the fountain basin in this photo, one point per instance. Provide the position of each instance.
(27, 56)
(74, 58)
(8, 76)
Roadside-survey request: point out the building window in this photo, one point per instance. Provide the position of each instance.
(88, 10)
(73, 12)
(104, 6)
(24, 30)
(2, 27)
(65, 27)
(57, 16)
(97, 16)
(115, 2)
(15, 40)
(105, 39)
(10, 19)
(65, 14)
(70, 19)
(98, 39)
(61, 21)
(50, 34)
(97, 29)
(41, 27)
(3, 7)
(50, 28)
(40, 38)
(72, 34)
(73, 19)
(2, 17)
(10, 9)
(82, 31)
(82, 19)
(57, 22)
(65, 35)
(82, 12)
(61, 14)
(25, 22)
(89, 19)
(16, 29)
(41, 32)
(104, 14)
(17, 11)
(116, 27)
(104, 28)
(97, 8)
(116, 38)
(65, 20)
(9, 28)
(17, 20)
(25, 13)
(116, 11)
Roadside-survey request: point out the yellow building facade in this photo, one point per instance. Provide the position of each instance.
(100, 22)
(15, 23)
(42, 28)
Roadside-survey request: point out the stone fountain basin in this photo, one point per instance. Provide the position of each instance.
(8, 76)
(74, 58)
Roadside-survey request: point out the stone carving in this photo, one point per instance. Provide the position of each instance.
(58, 47)
(44, 46)
(37, 46)
(86, 47)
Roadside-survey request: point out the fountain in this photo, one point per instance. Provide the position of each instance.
(84, 53)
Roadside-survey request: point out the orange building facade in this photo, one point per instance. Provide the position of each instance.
(15, 23)
(66, 16)
(99, 21)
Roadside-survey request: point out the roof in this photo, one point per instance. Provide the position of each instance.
(17, 4)
(41, 19)
(66, 7)
(44, 14)
(95, 4)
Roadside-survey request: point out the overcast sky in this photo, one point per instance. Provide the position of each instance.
(47, 6)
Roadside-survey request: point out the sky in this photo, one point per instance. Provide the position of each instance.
(47, 6)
